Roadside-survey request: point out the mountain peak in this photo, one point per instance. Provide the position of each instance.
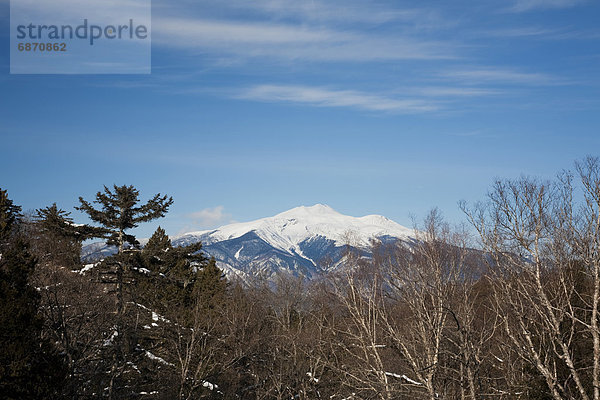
(320, 208)
(317, 209)
(288, 229)
(295, 240)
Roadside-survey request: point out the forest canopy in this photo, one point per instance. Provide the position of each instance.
(506, 308)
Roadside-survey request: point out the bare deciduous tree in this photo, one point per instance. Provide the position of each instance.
(544, 249)
(424, 280)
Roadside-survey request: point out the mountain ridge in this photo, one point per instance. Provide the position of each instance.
(303, 241)
(315, 220)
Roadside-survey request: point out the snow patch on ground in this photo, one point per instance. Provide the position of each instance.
(86, 268)
(111, 339)
(157, 358)
(158, 317)
(209, 385)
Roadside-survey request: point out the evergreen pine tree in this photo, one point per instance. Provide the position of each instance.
(210, 286)
(155, 250)
(29, 366)
(174, 271)
(9, 216)
(184, 264)
(171, 289)
(119, 212)
(58, 240)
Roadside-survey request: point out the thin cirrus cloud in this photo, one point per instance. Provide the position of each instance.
(292, 41)
(341, 12)
(323, 97)
(348, 12)
(565, 33)
(501, 76)
(520, 32)
(454, 91)
(530, 5)
(99, 11)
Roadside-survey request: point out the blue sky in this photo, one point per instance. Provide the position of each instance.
(255, 107)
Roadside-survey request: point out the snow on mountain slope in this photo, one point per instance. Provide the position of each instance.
(288, 229)
(303, 241)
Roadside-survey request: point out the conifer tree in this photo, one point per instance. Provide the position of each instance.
(58, 240)
(30, 368)
(174, 272)
(9, 216)
(210, 286)
(181, 285)
(158, 244)
(119, 212)
(56, 220)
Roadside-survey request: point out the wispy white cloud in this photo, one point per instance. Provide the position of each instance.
(324, 97)
(529, 5)
(344, 12)
(453, 91)
(99, 11)
(324, 11)
(520, 32)
(565, 33)
(199, 32)
(209, 217)
(493, 75)
(292, 41)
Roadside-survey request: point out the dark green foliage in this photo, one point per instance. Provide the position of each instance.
(173, 270)
(9, 216)
(180, 285)
(120, 212)
(30, 368)
(178, 276)
(158, 245)
(210, 286)
(57, 221)
(57, 240)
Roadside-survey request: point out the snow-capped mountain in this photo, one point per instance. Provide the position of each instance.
(306, 241)
(302, 241)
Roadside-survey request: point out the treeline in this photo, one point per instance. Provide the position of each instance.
(511, 314)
